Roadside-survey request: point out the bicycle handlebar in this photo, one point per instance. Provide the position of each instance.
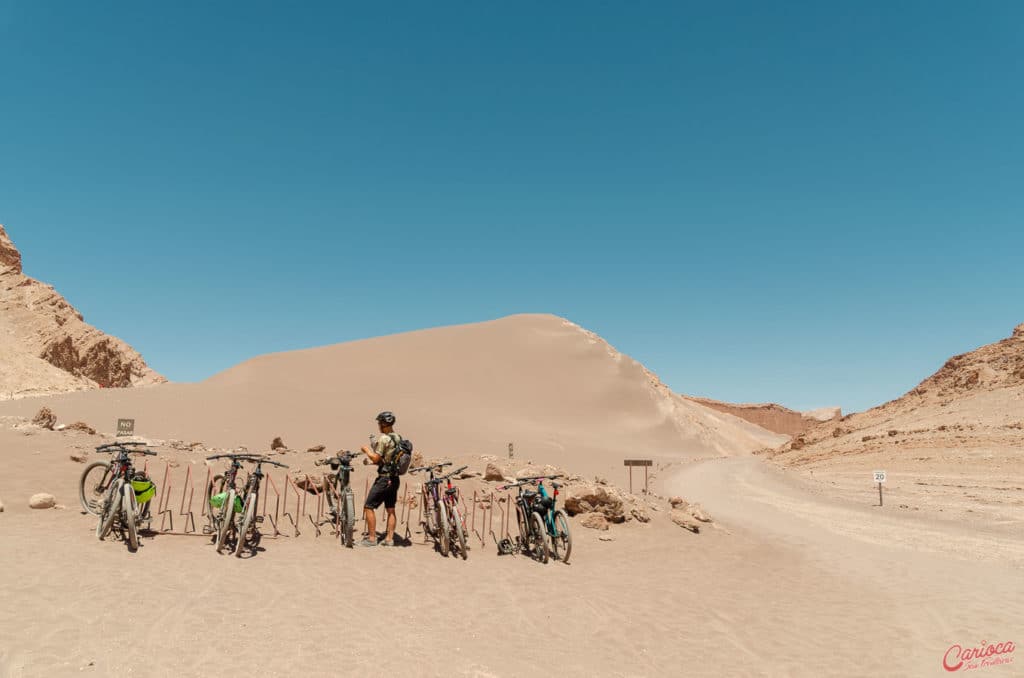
(430, 468)
(247, 457)
(535, 478)
(519, 483)
(342, 459)
(126, 451)
(119, 444)
(455, 472)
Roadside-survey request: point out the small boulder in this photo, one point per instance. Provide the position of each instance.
(638, 512)
(42, 500)
(80, 457)
(494, 472)
(685, 520)
(594, 521)
(606, 537)
(603, 499)
(316, 448)
(45, 418)
(697, 511)
(678, 502)
(277, 444)
(310, 484)
(81, 426)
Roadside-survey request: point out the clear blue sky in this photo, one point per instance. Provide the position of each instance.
(808, 202)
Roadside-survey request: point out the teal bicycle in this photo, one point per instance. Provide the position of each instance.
(555, 520)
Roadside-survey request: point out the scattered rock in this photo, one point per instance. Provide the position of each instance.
(685, 521)
(316, 448)
(80, 457)
(277, 444)
(697, 511)
(893, 434)
(601, 499)
(1, 505)
(639, 513)
(494, 472)
(45, 418)
(467, 474)
(594, 521)
(42, 501)
(606, 537)
(678, 502)
(81, 426)
(310, 484)
(798, 443)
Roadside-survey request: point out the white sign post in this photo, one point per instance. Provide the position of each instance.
(879, 478)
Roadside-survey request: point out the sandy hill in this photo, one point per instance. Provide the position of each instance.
(561, 394)
(774, 417)
(47, 347)
(956, 436)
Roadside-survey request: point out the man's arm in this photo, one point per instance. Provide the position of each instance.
(373, 456)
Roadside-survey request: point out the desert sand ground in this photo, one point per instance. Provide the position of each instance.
(790, 583)
(799, 575)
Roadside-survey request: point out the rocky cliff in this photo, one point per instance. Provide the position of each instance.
(47, 347)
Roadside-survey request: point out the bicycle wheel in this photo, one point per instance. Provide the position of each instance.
(442, 528)
(111, 504)
(459, 531)
(561, 543)
(348, 518)
(429, 516)
(243, 528)
(524, 526)
(128, 513)
(93, 485)
(227, 520)
(215, 486)
(540, 545)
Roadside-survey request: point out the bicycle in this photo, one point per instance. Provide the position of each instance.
(456, 521)
(556, 521)
(97, 476)
(221, 494)
(341, 502)
(120, 504)
(533, 536)
(435, 511)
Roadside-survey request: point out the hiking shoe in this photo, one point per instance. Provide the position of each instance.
(387, 543)
(367, 542)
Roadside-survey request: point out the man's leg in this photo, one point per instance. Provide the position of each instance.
(391, 525)
(371, 524)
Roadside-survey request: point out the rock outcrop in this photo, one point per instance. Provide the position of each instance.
(774, 417)
(47, 347)
(972, 401)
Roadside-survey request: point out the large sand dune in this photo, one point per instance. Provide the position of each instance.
(561, 394)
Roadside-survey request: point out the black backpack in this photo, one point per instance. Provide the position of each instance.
(401, 457)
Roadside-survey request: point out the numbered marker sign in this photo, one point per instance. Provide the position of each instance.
(879, 476)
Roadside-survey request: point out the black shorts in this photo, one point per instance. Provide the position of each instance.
(384, 490)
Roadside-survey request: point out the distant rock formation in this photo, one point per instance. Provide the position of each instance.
(972, 401)
(774, 417)
(47, 347)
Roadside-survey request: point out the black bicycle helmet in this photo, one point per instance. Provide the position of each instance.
(386, 418)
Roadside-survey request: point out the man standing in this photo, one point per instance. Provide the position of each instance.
(384, 454)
